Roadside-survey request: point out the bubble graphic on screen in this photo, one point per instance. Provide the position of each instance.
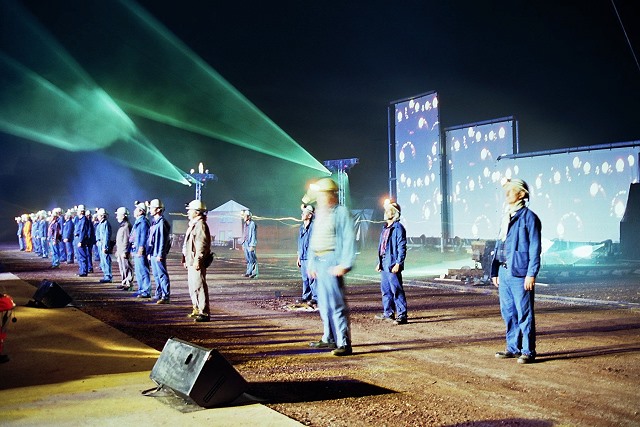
(399, 116)
(472, 185)
(484, 153)
(433, 176)
(423, 123)
(419, 182)
(570, 225)
(478, 136)
(411, 103)
(403, 178)
(618, 204)
(426, 212)
(586, 168)
(427, 180)
(620, 165)
(434, 149)
(577, 162)
(435, 102)
(631, 160)
(427, 106)
(594, 189)
(401, 156)
(486, 172)
(458, 188)
(502, 132)
(606, 168)
(456, 145)
(556, 177)
(492, 135)
(416, 107)
(538, 182)
(516, 169)
(471, 132)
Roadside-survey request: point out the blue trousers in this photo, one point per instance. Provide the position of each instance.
(141, 265)
(252, 260)
(37, 245)
(44, 246)
(393, 298)
(84, 260)
(21, 243)
(516, 307)
(70, 251)
(55, 253)
(309, 291)
(161, 276)
(105, 263)
(333, 308)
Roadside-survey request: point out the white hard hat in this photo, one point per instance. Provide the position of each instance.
(81, 208)
(141, 206)
(306, 208)
(196, 205)
(156, 203)
(122, 211)
(101, 212)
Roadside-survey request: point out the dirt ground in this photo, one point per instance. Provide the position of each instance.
(438, 370)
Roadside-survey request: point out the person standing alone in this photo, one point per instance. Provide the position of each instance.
(392, 250)
(515, 265)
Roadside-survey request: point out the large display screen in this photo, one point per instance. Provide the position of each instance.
(579, 196)
(416, 136)
(472, 153)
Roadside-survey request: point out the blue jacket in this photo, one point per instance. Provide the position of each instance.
(103, 233)
(140, 234)
(249, 234)
(159, 238)
(83, 231)
(345, 251)
(304, 235)
(396, 251)
(67, 230)
(522, 246)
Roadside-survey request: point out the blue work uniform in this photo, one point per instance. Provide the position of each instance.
(159, 245)
(103, 237)
(308, 283)
(392, 250)
(515, 258)
(139, 241)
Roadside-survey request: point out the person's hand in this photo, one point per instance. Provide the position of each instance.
(196, 265)
(495, 281)
(299, 263)
(378, 268)
(395, 268)
(529, 283)
(339, 271)
(252, 248)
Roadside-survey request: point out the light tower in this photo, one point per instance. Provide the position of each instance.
(341, 166)
(200, 179)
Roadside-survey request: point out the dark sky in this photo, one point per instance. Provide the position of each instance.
(325, 72)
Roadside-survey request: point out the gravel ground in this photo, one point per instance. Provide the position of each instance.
(437, 370)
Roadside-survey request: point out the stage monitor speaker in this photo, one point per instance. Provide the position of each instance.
(51, 295)
(197, 374)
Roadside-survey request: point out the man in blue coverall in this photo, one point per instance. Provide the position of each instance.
(331, 256)
(159, 245)
(392, 250)
(139, 246)
(309, 294)
(249, 242)
(103, 245)
(84, 241)
(515, 265)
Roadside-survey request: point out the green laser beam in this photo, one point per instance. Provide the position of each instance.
(151, 73)
(60, 105)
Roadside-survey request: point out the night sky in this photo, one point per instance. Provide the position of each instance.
(325, 72)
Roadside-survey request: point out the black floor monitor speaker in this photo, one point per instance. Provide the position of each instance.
(50, 294)
(197, 374)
